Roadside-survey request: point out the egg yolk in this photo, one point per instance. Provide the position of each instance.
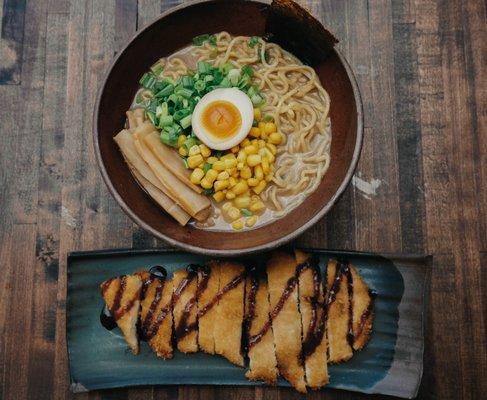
(222, 119)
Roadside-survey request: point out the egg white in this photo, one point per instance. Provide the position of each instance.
(243, 104)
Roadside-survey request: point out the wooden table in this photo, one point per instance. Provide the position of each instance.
(420, 187)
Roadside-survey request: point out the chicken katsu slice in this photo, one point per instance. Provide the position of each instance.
(122, 298)
(184, 310)
(156, 314)
(311, 298)
(363, 311)
(260, 340)
(209, 282)
(286, 320)
(338, 313)
(229, 312)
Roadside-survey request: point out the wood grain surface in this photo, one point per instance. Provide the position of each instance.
(421, 184)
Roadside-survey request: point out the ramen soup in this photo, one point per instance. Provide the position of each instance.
(228, 133)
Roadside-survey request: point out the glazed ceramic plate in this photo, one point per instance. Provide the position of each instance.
(391, 363)
(170, 32)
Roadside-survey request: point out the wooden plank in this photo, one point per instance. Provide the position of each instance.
(408, 128)
(15, 377)
(11, 41)
(42, 351)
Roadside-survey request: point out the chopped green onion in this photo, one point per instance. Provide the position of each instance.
(204, 67)
(208, 192)
(200, 39)
(186, 121)
(169, 89)
(247, 70)
(152, 117)
(268, 118)
(255, 123)
(207, 167)
(169, 139)
(187, 81)
(212, 40)
(253, 41)
(226, 68)
(245, 212)
(190, 142)
(200, 85)
(165, 121)
(256, 99)
(147, 80)
(157, 68)
(233, 76)
(186, 93)
(185, 161)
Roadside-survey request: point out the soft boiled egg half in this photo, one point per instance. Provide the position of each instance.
(223, 118)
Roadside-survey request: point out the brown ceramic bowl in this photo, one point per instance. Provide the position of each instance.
(171, 31)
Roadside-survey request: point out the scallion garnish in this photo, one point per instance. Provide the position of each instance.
(201, 39)
(246, 213)
(186, 121)
(207, 167)
(253, 41)
(204, 67)
(157, 68)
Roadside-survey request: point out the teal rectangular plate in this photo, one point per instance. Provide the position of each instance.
(391, 363)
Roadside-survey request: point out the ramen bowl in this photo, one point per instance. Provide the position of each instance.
(172, 31)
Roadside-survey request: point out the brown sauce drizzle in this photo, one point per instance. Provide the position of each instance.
(366, 314)
(250, 312)
(290, 286)
(148, 327)
(116, 310)
(184, 328)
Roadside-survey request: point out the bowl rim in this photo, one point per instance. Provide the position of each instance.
(231, 252)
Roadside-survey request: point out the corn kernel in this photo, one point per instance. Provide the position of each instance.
(272, 148)
(194, 161)
(252, 182)
(242, 156)
(240, 188)
(211, 160)
(227, 157)
(223, 175)
(251, 221)
(183, 152)
(204, 150)
(264, 135)
(261, 126)
(205, 184)
(265, 165)
(255, 143)
(242, 201)
(258, 173)
(270, 127)
(269, 154)
(240, 166)
(237, 225)
(250, 149)
(196, 176)
(230, 195)
(181, 140)
(254, 132)
(219, 165)
(220, 185)
(235, 174)
(245, 173)
(233, 213)
(257, 206)
(230, 163)
(202, 165)
(218, 196)
(253, 160)
(232, 181)
(245, 142)
(226, 206)
(257, 114)
(194, 150)
(211, 175)
(261, 143)
(235, 149)
(260, 187)
(275, 138)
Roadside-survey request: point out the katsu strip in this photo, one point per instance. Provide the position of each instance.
(229, 311)
(185, 283)
(261, 352)
(286, 321)
(339, 315)
(208, 285)
(313, 318)
(121, 297)
(156, 320)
